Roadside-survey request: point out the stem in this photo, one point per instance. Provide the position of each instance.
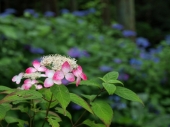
(101, 90)
(48, 109)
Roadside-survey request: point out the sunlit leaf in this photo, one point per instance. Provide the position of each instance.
(61, 111)
(110, 88)
(80, 101)
(62, 94)
(89, 97)
(103, 111)
(90, 83)
(53, 121)
(110, 76)
(3, 109)
(127, 94)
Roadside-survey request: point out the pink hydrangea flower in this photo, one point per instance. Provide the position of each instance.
(79, 74)
(65, 72)
(37, 67)
(17, 78)
(28, 83)
(49, 81)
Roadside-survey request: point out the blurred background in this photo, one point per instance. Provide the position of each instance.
(128, 36)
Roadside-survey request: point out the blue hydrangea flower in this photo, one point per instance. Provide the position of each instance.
(123, 76)
(79, 13)
(91, 10)
(167, 39)
(49, 14)
(7, 12)
(77, 53)
(65, 81)
(105, 68)
(117, 60)
(36, 50)
(128, 33)
(114, 98)
(76, 107)
(117, 26)
(30, 11)
(143, 42)
(64, 11)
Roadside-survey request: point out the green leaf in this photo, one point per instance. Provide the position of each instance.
(21, 95)
(127, 94)
(103, 111)
(3, 109)
(90, 83)
(53, 121)
(115, 81)
(10, 119)
(110, 88)
(110, 76)
(50, 113)
(62, 94)
(61, 111)
(2, 88)
(21, 108)
(80, 101)
(90, 97)
(92, 123)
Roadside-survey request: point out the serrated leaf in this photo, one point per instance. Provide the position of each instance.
(90, 97)
(127, 94)
(103, 111)
(80, 101)
(53, 121)
(10, 119)
(90, 83)
(110, 88)
(21, 95)
(115, 81)
(62, 94)
(3, 109)
(92, 123)
(50, 113)
(61, 111)
(110, 76)
(21, 108)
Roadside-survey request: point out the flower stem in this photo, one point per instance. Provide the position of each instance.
(48, 109)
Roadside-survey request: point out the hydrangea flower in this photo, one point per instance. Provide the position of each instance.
(28, 83)
(128, 33)
(117, 26)
(79, 74)
(37, 67)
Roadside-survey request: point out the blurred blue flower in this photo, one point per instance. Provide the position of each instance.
(79, 13)
(167, 39)
(114, 98)
(7, 12)
(64, 11)
(128, 33)
(117, 26)
(30, 11)
(105, 68)
(49, 14)
(77, 53)
(25, 125)
(143, 42)
(76, 107)
(36, 50)
(123, 76)
(65, 81)
(119, 105)
(91, 10)
(117, 60)
(10, 11)
(134, 61)
(90, 37)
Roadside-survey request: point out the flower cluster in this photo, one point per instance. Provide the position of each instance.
(54, 68)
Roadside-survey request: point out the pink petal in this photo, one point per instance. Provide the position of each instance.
(27, 81)
(27, 86)
(83, 76)
(49, 73)
(48, 82)
(38, 87)
(58, 82)
(30, 70)
(66, 67)
(78, 81)
(42, 69)
(20, 75)
(36, 64)
(70, 77)
(14, 79)
(58, 75)
(34, 81)
(77, 72)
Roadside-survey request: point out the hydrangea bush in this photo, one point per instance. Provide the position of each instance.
(43, 86)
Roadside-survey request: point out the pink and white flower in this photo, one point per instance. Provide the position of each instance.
(37, 67)
(28, 83)
(79, 74)
(49, 81)
(17, 78)
(65, 72)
